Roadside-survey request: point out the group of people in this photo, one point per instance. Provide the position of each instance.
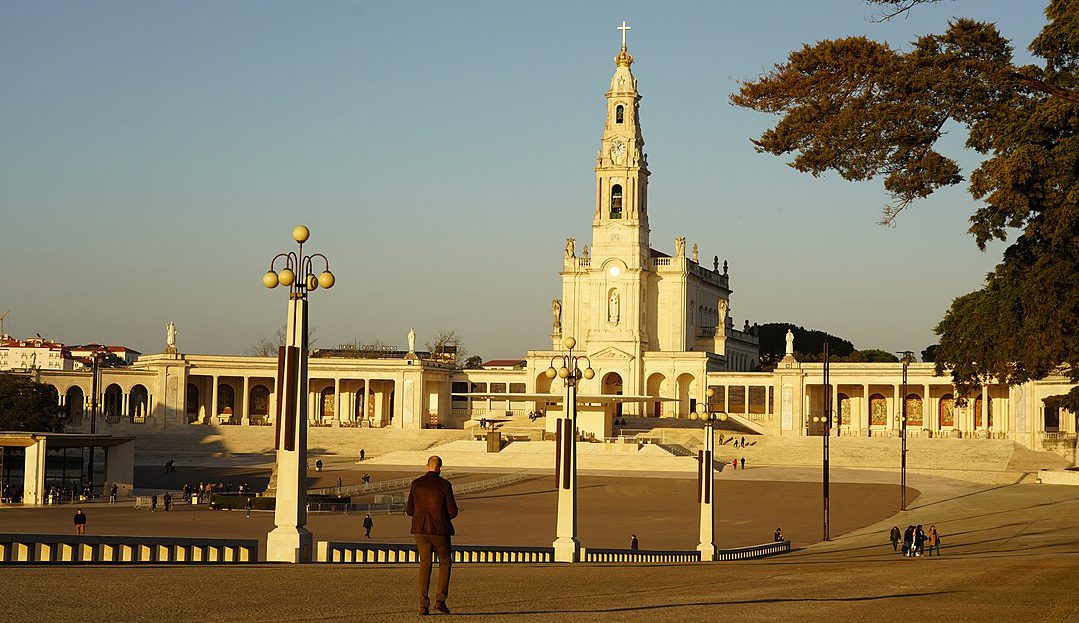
(166, 498)
(915, 540)
(734, 462)
(170, 466)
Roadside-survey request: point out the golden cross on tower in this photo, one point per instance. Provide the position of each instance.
(624, 28)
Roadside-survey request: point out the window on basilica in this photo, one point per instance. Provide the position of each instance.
(619, 114)
(616, 201)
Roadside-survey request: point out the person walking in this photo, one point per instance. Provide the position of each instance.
(153, 503)
(894, 537)
(80, 522)
(743, 462)
(743, 442)
(633, 544)
(919, 540)
(778, 535)
(168, 502)
(368, 523)
(366, 481)
(908, 541)
(247, 505)
(112, 494)
(432, 509)
(362, 454)
(934, 540)
(318, 465)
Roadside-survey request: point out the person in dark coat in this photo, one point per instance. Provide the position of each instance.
(919, 540)
(368, 523)
(633, 541)
(153, 503)
(894, 537)
(908, 541)
(80, 522)
(432, 509)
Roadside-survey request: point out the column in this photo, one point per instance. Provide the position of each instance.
(245, 417)
(366, 396)
(835, 407)
(726, 399)
(212, 415)
(337, 402)
(985, 406)
(927, 421)
(706, 544)
(125, 405)
(898, 407)
(865, 406)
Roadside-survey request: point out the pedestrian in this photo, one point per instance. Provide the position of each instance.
(112, 494)
(934, 540)
(432, 508)
(778, 536)
(366, 481)
(919, 540)
(168, 501)
(318, 465)
(368, 523)
(248, 505)
(743, 462)
(362, 454)
(338, 485)
(633, 544)
(894, 537)
(153, 503)
(908, 541)
(80, 522)
(743, 442)
(735, 463)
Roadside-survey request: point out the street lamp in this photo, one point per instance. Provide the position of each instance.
(706, 544)
(290, 540)
(908, 356)
(566, 546)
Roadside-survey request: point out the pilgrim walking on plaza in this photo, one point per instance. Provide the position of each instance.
(432, 509)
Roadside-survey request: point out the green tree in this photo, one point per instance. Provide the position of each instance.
(26, 405)
(448, 345)
(864, 110)
(473, 362)
(929, 353)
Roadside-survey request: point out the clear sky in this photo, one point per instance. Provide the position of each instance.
(155, 155)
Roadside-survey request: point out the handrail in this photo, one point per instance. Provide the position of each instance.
(377, 486)
(65, 548)
(754, 551)
(374, 553)
(607, 554)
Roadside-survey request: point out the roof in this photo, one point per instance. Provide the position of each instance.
(17, 439)
(656, 253)
(505, 362)
(107, 347)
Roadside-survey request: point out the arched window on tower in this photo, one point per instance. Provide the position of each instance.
(619, 114)
(616, 201)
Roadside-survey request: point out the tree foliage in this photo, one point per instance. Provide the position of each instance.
(864, 110)
(448, 345)
(808, 342)
(267, 346)
(26, 405)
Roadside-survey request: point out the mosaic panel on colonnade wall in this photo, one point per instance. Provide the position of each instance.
(914, 410)
(947, 411)
(844, 409)
(878, 410)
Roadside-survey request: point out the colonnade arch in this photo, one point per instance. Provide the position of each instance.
(655, 387)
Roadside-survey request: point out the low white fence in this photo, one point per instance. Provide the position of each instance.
(375, 553)
(57, 548)
(600, 554)
(754, 551)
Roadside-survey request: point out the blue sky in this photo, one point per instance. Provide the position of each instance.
(155, 155)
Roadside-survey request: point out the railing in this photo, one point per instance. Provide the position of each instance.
(754, 551)
(491, 483)
(392, 503)
(46, 548)
(378, 486)
(375, 553)
(597, 554)
(661, 261)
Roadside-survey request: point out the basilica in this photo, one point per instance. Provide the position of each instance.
(652, 318)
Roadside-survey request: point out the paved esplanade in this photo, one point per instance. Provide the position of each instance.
(1011, 553)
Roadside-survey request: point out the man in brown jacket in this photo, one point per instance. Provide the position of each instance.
(432, 507)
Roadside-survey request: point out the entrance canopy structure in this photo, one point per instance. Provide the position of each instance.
(45, 458)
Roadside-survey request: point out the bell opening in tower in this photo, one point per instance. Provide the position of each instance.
(619, 114)
(616, 201)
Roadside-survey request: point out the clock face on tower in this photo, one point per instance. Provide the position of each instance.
(618, 149)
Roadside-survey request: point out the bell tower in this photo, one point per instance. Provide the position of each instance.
(620, 222)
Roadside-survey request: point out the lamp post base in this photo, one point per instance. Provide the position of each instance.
(708, 552)
(567, 549)
(289, 544)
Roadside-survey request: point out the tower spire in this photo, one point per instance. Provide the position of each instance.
(624, 28)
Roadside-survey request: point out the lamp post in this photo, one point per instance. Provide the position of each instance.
(826, 418)
(290, 540)
(908, 356)
(566, 546)
(706, 544)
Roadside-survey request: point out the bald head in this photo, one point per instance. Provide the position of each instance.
(434, 464)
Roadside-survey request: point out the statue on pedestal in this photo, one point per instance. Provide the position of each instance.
(680, 247)
(570, 244)
(170, 336)
(412, 340)
(612, 307)
(790, 343)
(695, 252)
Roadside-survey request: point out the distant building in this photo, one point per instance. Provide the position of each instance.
(83, 352)
(34, 353)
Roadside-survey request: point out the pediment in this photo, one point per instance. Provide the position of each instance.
(611, 353)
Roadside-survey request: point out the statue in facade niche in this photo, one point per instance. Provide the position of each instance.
(412, 340)
(170, 334)
(584, 253)
(695, 252)
(721, 307)
(556, 311)
(570, 244)
(680, 247)
(612, 307)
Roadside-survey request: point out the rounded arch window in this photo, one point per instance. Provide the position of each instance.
(616, 201)
(619, 114)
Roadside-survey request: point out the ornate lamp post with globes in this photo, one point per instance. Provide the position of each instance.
(290, 540)
(706, 479)
(566, 546)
